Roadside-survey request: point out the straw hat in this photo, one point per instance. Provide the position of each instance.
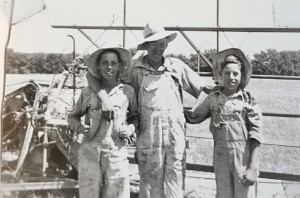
(125, 60)
(154, 33)
(219, 57)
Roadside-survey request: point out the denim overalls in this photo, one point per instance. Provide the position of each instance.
(161, 142)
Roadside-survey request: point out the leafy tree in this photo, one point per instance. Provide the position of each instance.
(16, 62)
(272, 62)
(269, 62)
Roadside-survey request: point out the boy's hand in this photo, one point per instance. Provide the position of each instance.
(249, 177)
(80, 138)
(106, 104)
(82, 133)
(126, 131)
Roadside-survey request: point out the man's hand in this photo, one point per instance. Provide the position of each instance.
(126, 131)
(249, 177)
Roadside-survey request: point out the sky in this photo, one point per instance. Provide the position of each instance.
(35, 34)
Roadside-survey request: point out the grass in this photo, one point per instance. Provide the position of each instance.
(275, 96)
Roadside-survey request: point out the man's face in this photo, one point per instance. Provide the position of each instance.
(156, 48)
(109, 66)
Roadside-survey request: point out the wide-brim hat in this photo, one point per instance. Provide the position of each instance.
(219, 57)
(154, 33)
(125, 56)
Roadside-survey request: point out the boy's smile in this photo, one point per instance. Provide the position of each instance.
(109, 66)
(231, 76)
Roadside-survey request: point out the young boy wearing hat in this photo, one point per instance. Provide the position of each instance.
(103, 165)
(158, 84)
(236, 122)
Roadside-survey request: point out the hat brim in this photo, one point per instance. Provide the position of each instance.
(169, 36)
(219, 57)
(125, 58)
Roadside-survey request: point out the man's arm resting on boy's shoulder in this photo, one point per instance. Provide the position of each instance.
(192, 82)
(200, 111)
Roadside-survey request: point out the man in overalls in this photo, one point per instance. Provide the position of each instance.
(158, 83)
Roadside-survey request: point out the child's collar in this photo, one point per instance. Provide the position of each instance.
(236, 94)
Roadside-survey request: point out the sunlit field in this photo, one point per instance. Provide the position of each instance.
(274, 96)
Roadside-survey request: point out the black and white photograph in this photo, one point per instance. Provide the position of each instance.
(150, 99)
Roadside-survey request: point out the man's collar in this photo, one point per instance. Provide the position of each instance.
(142, 62)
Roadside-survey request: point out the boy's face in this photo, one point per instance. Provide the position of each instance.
(231, 76)
(109, 66)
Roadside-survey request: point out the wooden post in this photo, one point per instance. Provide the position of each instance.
(7, 22)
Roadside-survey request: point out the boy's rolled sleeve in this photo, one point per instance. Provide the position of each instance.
(254, 119)
(79, 109)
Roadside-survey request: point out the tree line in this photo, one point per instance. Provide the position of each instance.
(269, 62)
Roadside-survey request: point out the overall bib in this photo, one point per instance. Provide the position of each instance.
(103, 165)
(232, 148)
(161, 142)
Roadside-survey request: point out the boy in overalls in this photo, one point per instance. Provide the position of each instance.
(236, 122)
(103, 165)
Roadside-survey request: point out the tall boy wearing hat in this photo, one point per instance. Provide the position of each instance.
(236, 122)
(103, 165)
(158, 84)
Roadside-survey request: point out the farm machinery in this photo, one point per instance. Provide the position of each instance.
(37, 144)
(33, 126)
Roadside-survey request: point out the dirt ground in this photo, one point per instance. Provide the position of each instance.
(202, 185)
